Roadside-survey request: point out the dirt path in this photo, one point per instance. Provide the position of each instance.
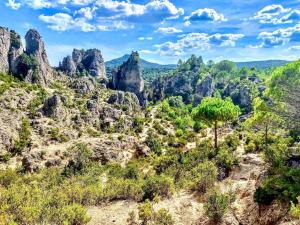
(185, 208)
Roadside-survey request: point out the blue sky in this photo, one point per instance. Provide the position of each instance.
(162, 30)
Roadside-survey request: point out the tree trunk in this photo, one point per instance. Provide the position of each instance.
(216, 134)
(266, 136)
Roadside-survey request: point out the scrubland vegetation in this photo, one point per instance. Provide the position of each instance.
(271, 129)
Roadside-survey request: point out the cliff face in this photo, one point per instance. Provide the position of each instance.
(35, 48)
(4, 49)
(30, 65)
(89, 62)
(128, 77)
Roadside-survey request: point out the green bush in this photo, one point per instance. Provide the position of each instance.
(138, 124)
(163, 217)
(158, 186)
(57, 136)
(80, 159)
(217, 205)
(154, 144)
(204, 176)
(226, 159)
(24, 138)
(295, 209)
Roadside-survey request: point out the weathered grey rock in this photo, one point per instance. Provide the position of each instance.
(83, 85)
(53, 107)
(4, 49)
(35, 48)
(204, 89)
(15, 51)
(126, 100)
(128, 77)
(89, 62)
(31, 163)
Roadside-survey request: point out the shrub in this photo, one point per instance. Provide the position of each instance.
(163, 217)
(158, 186)
(148, 216)
(24, 138)
(217, 205)
(57, 136)
(73, 214)
(204, 176)
(122, 189)
(154, 144)
(146, 212)
(138, 124)
(295, 209)
(81, 157)
(226, 159)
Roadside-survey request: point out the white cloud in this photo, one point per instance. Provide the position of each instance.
(145, 38)
(296, 48)
(108, 25)
(279, 37)
(276, 14)
(87, 12)
(206, 15)
(63, 22)
(115, 13)
(196, 41)
(13, 4)
(168, 30)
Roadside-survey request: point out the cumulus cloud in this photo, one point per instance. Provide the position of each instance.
(168, 30)
(205, 14)
(277, 14)
(118, 13)
(279, 37)
(63, 22)
(197, 41)
(13, 4)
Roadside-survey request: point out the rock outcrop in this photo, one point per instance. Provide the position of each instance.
(4, 49)
(204, 89)
(30, 65)
(40, 71)
(128, 77)
(89, 62)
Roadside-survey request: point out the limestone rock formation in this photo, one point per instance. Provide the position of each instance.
(204, 89)
(128, 77)
(4, 49)
(89, 62)
(35, 48)
(30, 65)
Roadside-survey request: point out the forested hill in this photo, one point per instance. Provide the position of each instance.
(262, 64)
(145, 64)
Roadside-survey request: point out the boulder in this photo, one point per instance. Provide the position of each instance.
(53, 106)
(126, 100)
(83, 85)
(89, 62)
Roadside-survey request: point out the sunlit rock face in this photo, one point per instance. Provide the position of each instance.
(84, 62)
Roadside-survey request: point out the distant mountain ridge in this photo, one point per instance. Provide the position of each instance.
(262, 64)
(145, 64)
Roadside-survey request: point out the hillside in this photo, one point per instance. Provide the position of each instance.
(262, 64)
(145, 64)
